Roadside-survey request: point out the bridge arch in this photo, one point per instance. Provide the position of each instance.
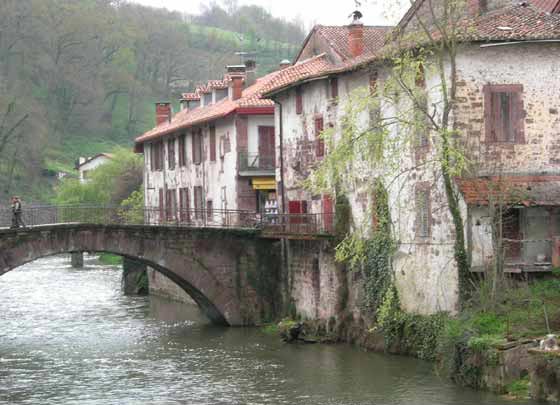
(231, 274)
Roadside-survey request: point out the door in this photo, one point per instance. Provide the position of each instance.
(267, 158)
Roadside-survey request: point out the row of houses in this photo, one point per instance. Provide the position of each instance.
(248, 143)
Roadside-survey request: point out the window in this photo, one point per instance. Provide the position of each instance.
(184, 204)
(171, 153)
(297, 207)
(373, 83)
(198, 202)
(421, 125)
(212, 144)
(299, 100)
(334, 87)
(183, 150)
(503, 113)
(171, 204)
(423, 211)
(197, 147)
(156, 156)
(161, 205)
(319, 142)
(209, 210)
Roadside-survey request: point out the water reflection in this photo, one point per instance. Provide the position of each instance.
(69, 337)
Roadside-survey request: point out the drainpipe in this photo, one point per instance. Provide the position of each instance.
(281, 136)
(285, 276)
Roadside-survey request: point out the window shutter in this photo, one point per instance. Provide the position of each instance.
(212, 144)
(319, 142)
(299, 101)
(334, 87)
(294, 207)
(373, 83)
(423, 213)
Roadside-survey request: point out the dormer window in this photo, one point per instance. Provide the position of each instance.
(207, 99)
(221, 94)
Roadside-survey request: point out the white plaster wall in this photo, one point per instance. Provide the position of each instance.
(536, 67)
(212, 176)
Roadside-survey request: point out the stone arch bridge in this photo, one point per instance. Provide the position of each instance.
(233, 274)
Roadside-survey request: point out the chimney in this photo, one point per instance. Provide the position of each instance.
(477, 7)
(285, 64)
(237, 75)
(163, 113)
(356, 35)
(250, 72)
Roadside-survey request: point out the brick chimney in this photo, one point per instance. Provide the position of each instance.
(237, 74)
(356, 36)
(477, 7)
(250, 72)
(163, 113)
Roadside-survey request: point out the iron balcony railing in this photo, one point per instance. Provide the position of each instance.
(255, 162)
(270, 224)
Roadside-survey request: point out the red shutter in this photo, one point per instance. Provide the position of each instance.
(299, 100)
(212, 144)
(319, 142)
(267, 159)
(294, 207)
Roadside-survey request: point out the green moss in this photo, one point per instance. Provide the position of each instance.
(110, 259)
(519, 389)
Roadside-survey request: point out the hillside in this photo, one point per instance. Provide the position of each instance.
(78, 77)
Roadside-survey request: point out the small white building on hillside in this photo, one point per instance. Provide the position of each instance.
(85, 165)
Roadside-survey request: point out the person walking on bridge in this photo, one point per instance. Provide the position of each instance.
(17, 212)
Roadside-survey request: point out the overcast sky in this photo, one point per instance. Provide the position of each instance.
(332, 12)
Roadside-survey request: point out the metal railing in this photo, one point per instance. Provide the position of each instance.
(299, 224)
(270, 224)
(253, 162)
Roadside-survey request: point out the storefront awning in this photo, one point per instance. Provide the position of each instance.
(264, 183)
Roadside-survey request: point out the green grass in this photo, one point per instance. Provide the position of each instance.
(519, 389)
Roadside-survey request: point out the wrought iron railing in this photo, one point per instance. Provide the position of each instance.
(270, 224)
(255, 162)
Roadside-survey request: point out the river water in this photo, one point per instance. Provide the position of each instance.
(69, 337)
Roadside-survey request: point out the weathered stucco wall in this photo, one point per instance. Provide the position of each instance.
(536, 68)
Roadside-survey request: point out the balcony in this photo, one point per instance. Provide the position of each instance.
(256, 164)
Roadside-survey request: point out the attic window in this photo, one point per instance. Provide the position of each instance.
(207, 99)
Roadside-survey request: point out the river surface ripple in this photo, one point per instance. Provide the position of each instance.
(69, 337)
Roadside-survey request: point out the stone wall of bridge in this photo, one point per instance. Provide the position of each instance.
(233, 275)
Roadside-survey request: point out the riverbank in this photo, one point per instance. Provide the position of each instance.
(491, 345)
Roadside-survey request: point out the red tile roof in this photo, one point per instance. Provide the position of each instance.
(190, 96)
(338, 38)
(309, 68)
(251, 98)
(548, 6)
(516, 23)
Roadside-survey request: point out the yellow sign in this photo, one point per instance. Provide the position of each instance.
(264, 183)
